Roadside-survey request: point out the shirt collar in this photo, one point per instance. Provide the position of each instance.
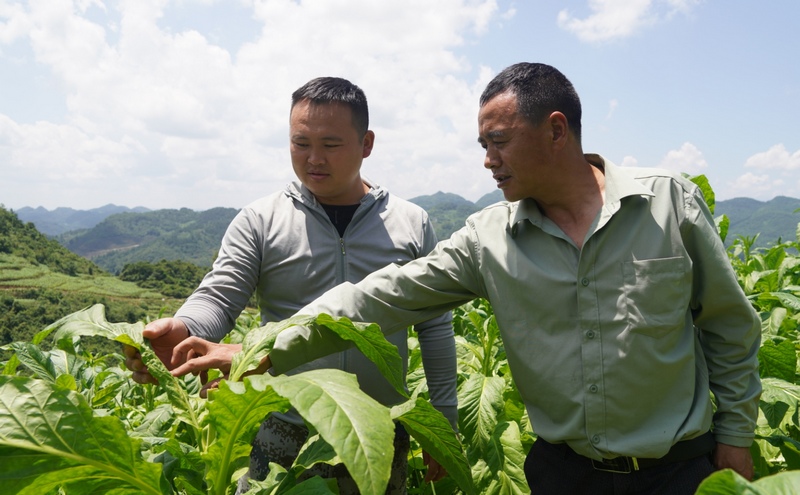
(619, 184)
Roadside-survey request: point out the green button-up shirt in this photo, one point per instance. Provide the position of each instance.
(614, 346)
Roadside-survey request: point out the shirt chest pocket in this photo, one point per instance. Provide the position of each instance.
(657, 293)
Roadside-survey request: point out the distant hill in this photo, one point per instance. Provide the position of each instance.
(42, 281)
(188, 235)
(448, 211)
(63, 220)
(772, 220)
(152, 236)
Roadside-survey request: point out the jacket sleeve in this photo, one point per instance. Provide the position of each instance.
(211, 311)
(729, 328)
(438, 348)
(394, 297)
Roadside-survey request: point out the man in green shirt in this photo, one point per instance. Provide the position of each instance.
(614, 295)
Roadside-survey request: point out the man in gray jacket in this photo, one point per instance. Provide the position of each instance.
(329, 227)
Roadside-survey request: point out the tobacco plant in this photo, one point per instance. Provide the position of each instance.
(68, 426)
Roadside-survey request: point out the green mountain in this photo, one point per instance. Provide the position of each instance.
(448, 211)
(152, 236)
(771, 220)
(63, 220)
(125, 238)
(41, 281)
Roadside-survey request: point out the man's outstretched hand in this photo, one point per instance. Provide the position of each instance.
(164, 334)
(194, 355)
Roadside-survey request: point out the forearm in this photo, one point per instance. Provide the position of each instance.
(437, 346)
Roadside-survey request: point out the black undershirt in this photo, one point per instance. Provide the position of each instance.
(340, 215)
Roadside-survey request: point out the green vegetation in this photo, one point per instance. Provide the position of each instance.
(153, 236)
(24, 241)
(79, 426)
(447, 211)
(41, 281)
(772, 221)
(63, 219)
(172, 278)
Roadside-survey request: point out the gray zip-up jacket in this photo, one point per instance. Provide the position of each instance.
(285, 249)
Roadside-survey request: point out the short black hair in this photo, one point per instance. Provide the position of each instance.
(540, 90)
(322, 90)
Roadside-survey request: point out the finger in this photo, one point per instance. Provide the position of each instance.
(135, 365)
(130, 351)
(213, 384)
(187, 349)
(197, 364)
(435, 474)
(144, 377)
(156, 329)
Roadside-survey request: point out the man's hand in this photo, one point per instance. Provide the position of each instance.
(194, 355)
(435, 470)
(736, 458)
(164, 334)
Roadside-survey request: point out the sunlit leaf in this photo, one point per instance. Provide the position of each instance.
(49, 437)
(358, 428)
(434, 434)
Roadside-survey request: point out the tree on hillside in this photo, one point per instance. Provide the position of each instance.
(172, 278)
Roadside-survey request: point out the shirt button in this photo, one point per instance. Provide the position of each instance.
(590, 334)
(593, 389)
(584, 282)
(595, 439)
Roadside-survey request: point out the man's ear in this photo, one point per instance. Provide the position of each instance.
(368, 142)
(559, 128)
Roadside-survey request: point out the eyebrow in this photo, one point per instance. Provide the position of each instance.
(491, 135)
(324, 138)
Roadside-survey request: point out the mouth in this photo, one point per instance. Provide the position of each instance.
(501, 180)
(315, 174)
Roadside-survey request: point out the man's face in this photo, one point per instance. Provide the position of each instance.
(327, 151)
(517, 152)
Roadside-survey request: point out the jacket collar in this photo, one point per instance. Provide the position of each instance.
(301, 193)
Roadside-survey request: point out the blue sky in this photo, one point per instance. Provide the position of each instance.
(184, 103)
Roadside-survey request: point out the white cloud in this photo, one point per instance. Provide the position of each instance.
(629, 161)
(612, 107)
(688, 159)
(777, 174)
(776, 158)
(755, 186)
(615, 19)
(194, 124)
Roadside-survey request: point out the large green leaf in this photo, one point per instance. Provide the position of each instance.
(49, 438)
(705, 187)
(92, 322)
(314, 451)
(369, 339)
(774, 412)
(434, 434)
(235, 411)
(727, 482)
(36, 360)
(501, 470)
(358, 428)
(778, 360)
(480, 400)
(258, 342)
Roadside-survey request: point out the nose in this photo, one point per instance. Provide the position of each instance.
(491, 160)
(316, 156)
